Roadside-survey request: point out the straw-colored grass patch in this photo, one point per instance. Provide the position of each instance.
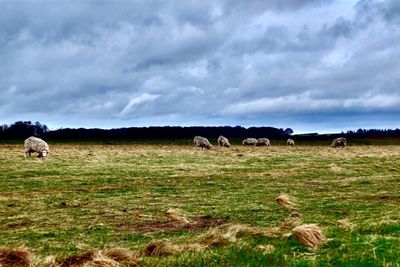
(285, 201)
(310, 235)
(102, 258)
(166, 247)
(345, 224)
(177, 215)
(266, 249)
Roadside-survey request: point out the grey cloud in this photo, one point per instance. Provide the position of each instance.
(392, 11)
(184, 61)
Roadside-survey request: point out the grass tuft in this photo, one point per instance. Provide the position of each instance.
(285, 201)
(310, 235)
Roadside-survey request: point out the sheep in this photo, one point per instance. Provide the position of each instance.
(201, 142)
(339, 142)
(249, 141)
(290, 142)
(263, 142)
(34, 144)
(223, 141)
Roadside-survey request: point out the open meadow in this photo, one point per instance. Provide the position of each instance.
(88, 198)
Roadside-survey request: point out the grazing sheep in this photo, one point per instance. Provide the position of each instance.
(249, 141)
(290, 142)
(34, 144)
(223, 141)
(263, 142)
(201, 142)
(339, 142)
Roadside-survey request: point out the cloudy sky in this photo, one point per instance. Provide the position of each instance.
(326, 66)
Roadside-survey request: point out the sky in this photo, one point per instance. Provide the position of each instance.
(313, 66)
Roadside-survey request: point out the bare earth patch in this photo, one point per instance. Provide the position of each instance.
(14, 257)
(383, 199)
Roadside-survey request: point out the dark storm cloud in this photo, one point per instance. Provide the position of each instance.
(106, 63)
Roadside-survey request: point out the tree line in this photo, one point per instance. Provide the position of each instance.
(24, 129)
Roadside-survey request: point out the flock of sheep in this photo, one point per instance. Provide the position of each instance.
(202, 142)
(37, 145)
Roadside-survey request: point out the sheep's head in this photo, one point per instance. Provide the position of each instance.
(45, 153)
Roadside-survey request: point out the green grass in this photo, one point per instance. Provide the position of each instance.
(78, 197)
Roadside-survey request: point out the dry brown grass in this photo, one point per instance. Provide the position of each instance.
(177, 215)
(287, 202)
(267, 249)
(78, 260)
(166, 247)
(345, 224)
(176, 221)
(229, 233)
(114, 257)
(221, 236)
(17, 257)
(290, 223)
(49, 261)
(310, 235)
(120, 255)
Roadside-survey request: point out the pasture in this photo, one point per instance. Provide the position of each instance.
(95, 197)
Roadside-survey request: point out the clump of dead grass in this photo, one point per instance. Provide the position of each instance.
(176, 221)
(177, 215)
(18, 257)
(121, 255)
(78, 260)
(287, 202)
(310, 235)
(229, 234)
(214, 237)
(345, 224)
(221, 236)
(267, 249)
(21, 257)
(49, 261)
(101, 258)
(161, 247)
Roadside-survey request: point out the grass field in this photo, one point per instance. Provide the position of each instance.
(85, 197)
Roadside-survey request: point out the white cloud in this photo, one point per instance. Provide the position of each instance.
(304, 103)
(135, 102)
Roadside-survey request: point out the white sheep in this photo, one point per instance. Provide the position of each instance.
(34, 144)
(263, 142)
(223, 141)
(339, 142)
(202, 142)
(290, 142)
(249, 141)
